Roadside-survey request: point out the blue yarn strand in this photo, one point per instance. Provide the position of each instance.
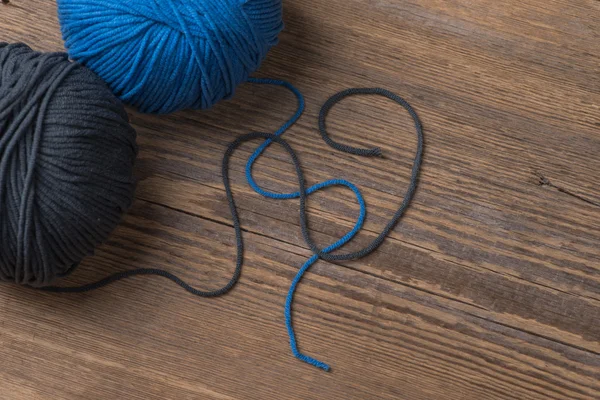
(258, 152)
(288, 317)
(312, 189)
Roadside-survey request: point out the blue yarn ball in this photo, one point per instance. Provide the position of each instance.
(166, 55)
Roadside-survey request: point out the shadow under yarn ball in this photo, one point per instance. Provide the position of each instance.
(66, 164)
(166, 55)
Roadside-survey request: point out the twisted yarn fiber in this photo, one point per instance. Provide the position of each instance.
(166, 55)
(66, 160)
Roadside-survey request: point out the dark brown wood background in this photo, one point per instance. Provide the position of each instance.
(488, 289)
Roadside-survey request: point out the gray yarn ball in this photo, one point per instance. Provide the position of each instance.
(66, 164)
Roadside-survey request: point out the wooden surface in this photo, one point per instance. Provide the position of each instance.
(488, 289)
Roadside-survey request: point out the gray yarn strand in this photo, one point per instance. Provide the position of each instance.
(66, 164)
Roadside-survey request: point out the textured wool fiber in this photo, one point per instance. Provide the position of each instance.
(66, 164)
(166, 55)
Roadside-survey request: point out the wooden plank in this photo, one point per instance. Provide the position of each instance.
(143, 338)
(489, 288)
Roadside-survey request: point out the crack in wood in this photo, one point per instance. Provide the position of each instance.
(543, 181)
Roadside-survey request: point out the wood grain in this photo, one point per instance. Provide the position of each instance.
(489, 288)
